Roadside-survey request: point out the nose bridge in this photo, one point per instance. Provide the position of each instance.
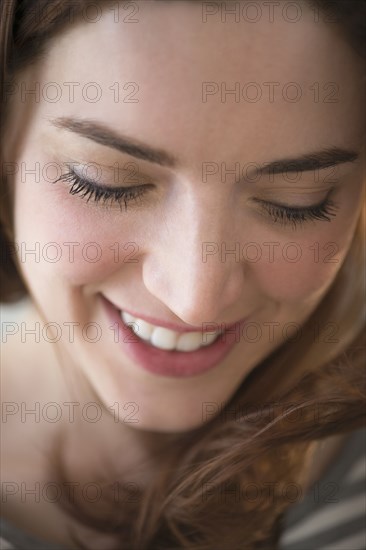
(209, 234)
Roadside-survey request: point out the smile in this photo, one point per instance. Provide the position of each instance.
(166, 339)
(167, 352)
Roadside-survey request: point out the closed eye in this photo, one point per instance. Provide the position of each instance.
(90, 190)
(296, 215)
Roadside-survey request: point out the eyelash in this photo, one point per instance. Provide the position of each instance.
(124, 195)
(90, 190)
(298, 215)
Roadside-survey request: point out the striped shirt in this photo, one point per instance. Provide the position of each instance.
(332, 515)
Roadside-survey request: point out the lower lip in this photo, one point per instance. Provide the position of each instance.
(172, 363)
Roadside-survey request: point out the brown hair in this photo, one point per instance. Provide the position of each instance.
(313, 388)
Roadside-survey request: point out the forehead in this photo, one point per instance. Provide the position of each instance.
(199, 79)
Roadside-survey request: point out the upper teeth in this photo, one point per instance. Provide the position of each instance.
(167, 339)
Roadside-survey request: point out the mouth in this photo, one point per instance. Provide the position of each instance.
(167, 339)
(174, 353)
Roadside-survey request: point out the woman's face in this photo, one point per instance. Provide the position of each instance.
(187, 104)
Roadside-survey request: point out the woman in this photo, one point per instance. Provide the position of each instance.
(183, 206)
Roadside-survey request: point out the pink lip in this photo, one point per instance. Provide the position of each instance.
(171, 326)
(180, 328)
(173, 363)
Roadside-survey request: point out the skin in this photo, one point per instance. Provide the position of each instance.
(170, 281)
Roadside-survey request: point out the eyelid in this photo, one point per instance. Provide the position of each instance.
(88, 189)
(102, 186)
(330, 192)
(285, 215)
(116, 173)
(289, 206)
(306, 181)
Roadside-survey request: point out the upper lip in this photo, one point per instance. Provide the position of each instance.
(206, 326)
(167, 324)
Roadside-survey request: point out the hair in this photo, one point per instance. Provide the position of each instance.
(314, 389)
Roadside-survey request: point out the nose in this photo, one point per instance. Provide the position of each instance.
(196, 271)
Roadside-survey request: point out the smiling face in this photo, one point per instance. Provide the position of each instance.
(208, 240)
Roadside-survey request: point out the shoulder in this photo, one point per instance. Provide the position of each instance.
(29, 381)
(13, 344)
(332, 514)
(5, 545)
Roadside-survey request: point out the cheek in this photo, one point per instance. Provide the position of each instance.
(295, 270)
(300, 265)
(62, 239)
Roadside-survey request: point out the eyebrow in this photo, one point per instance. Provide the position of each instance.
(103, 135)
(99, 133)
(317, 160)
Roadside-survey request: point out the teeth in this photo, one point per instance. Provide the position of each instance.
(189, 341)
(166, 339)
(143, 329)
(209, 337)
(127, 318)
(163, 338)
